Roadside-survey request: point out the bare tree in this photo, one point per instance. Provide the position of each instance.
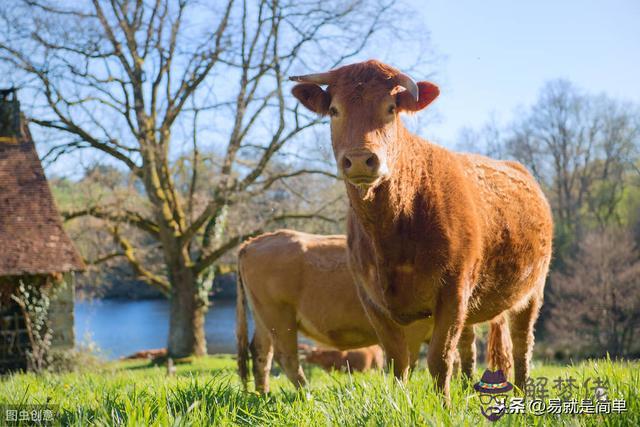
(145, 82)
(581, 148)
(597, 301)
(108, 270)
(488, 140)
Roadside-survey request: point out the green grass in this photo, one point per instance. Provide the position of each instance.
(207, 392)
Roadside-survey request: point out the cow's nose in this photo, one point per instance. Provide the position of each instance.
(360, 167)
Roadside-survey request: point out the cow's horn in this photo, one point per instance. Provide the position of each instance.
(317, 78)
(409, 84)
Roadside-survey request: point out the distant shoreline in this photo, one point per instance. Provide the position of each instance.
(117, 289)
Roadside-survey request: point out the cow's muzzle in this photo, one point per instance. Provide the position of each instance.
(360, 167)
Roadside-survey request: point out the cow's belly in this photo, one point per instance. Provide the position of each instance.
(412, 293)
(328, 310)
(342, 336)
(506, 289)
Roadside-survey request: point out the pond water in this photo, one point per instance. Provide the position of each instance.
(120, 328)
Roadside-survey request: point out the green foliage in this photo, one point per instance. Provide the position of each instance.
(207, 392)
(629, 207)
(33, 298)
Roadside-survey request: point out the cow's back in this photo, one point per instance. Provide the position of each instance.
(272, 264)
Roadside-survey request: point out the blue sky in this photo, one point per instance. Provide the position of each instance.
(498, 54)
(495, 55)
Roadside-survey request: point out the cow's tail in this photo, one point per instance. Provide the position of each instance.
(242, 329)
(499, 348)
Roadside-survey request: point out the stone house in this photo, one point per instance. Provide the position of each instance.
(34, 247)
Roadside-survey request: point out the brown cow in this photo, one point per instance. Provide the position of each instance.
(298, 281)
(431, 232)
(357, 360)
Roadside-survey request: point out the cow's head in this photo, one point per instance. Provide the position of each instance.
(364, 101)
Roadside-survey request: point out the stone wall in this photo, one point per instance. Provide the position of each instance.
(61, 317)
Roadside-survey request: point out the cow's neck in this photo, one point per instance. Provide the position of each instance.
(380, 209)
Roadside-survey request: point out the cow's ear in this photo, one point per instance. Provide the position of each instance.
(428, 92)
(313, 97)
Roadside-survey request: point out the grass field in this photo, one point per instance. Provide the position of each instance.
(207, 392)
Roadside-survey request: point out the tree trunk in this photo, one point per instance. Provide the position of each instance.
(186, 322)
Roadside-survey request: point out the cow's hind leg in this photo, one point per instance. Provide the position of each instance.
(521, 324)
(261, 354)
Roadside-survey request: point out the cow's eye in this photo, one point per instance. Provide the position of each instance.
(333, 111)
(392, 109)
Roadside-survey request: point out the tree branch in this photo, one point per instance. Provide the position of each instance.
(273, 178)
(124, 216)
(103, 258)
(207, 259)
(155, 280)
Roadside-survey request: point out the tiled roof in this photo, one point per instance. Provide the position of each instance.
(32, 240)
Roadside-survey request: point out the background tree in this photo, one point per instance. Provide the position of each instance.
(600, 294)
(109, 274)
(155, 86)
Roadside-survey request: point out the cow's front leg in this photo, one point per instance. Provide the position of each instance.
(449, 321)
(467, 352)
(392, 340)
